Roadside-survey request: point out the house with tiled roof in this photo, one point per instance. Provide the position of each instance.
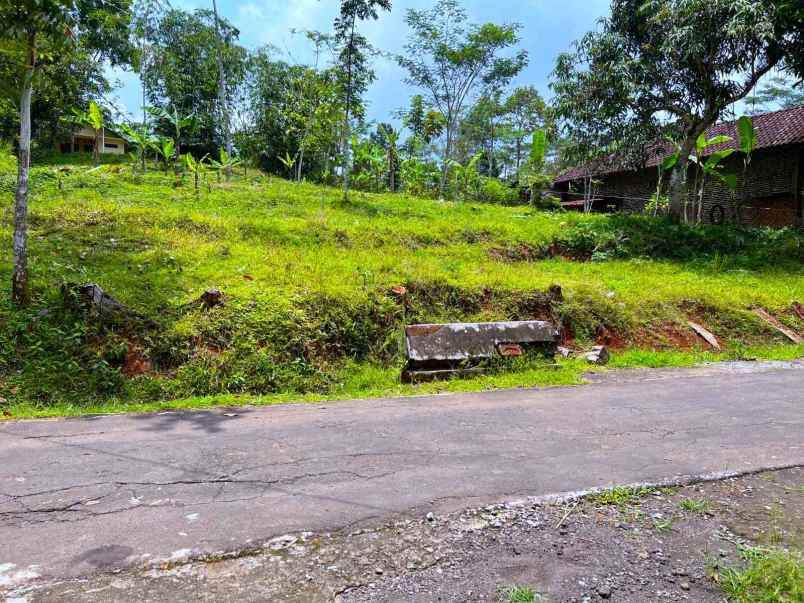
(769, 192)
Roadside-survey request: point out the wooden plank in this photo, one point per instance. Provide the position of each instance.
(774, 322)
(706, 335)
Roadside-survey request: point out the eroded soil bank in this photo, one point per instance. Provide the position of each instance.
(625, 545)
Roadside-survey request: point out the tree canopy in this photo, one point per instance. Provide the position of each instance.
(668, 67)
(451, 60)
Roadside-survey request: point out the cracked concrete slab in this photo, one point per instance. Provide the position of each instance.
(81, 496)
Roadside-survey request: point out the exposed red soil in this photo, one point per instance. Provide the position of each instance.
(610, 339)
(136, 363)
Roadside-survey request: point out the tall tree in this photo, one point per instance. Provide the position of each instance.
(223, 110)
(525, 112)
(295, 111)
(670, 66)
(145, 18)
(64, 81)
(452, 60)
(184, 75)
(480, 132)
(353, 60)
(424, 122)
(34, 31)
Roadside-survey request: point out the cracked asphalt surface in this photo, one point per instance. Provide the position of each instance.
(81, 496)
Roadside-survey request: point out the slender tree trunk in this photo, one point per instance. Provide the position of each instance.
(144, 113)
(347, 129)
(224, 114)
(391, 170)
(518, 158)
(491, 154)
(299, 167)
(176, 156)
(98, 143)
(678, 182)
(445, 168)
(20, 292)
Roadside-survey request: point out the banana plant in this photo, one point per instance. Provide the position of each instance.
(747, 137)
(711, 167)
(179, 123)
(140, 140)
(165, 147)
(91, 118)
(198, 168)
(225, 164)
(288, 162)
(466, 175)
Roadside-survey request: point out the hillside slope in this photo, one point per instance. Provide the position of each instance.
(317, 291)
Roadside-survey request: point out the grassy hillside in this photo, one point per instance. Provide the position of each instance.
(308, 281)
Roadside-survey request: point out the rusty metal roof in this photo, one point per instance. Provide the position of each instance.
(774, 129)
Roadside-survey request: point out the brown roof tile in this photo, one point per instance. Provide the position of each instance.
(773, 130)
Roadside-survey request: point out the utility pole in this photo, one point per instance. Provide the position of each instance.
(224, 114)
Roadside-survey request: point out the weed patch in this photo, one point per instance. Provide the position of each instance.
(621, 496)
(769, 577)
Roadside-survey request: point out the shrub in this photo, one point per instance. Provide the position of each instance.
(633, 236)
(8, 161)
(491, 190)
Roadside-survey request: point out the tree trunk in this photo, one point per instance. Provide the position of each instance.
(176, 158)
(299, 167)
(518, 158)
(678, 182)
(347, 129)
(699, 216)
(491, 153)
(447, 155)
(224, 115)
(96, 149)
(20, 292)
(391, 171)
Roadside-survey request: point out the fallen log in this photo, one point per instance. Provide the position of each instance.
(706, 335)
(776, 324)
(90, 297)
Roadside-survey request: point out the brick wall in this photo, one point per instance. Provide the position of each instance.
(765, 194)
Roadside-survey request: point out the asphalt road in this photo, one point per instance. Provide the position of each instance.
(86, 495)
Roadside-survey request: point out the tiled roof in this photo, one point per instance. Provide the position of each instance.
(773, 130)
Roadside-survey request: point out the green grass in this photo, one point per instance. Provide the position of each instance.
(621, 496)
(695, 506)
(522, 594)
(309, 312)
(773, 577)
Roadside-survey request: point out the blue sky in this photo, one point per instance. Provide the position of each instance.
(549, 27)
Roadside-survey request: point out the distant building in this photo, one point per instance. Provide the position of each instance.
(82, 140)
(771, 193)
